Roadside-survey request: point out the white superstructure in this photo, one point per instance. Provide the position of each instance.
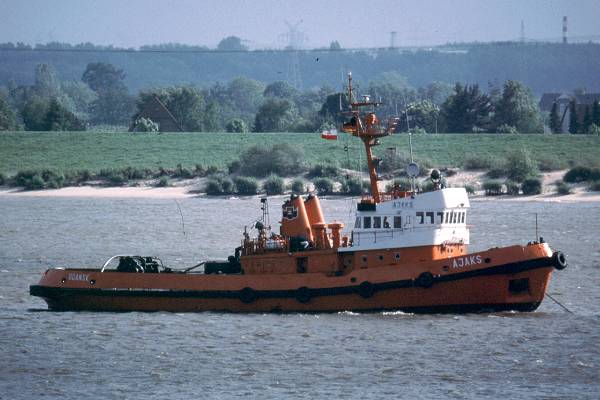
(425, 219)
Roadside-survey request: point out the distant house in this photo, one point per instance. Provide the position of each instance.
(563, 102)
(159, 113)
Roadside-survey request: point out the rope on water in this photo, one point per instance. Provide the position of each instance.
(180, 213)
(559, 303)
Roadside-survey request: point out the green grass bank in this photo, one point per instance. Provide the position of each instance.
(71, 151)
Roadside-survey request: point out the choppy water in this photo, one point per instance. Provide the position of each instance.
(548, 354)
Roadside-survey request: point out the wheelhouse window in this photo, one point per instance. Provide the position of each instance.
(429, 215)
(420, 217)
(357, 223)
(367, 222)
(454, 217)
(386, 223)
(440, 218)
(397, 222)
(377, 222)
(447, 217)
(464, 217)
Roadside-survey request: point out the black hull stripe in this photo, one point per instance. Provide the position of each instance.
(504, 269)
(452, 308)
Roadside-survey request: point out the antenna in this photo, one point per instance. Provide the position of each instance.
(393, 39)
(294, 39)
(264, 206)
(564, 29)
(522, 31)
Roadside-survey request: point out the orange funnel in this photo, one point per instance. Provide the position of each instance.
(294, 221)
(313, 210)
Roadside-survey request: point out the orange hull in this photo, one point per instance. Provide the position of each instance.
(514, 278)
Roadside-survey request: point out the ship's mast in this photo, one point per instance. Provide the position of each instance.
(369, 130)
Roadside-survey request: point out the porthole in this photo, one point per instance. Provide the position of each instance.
(364, 259)
(380, 257)
(397, 256)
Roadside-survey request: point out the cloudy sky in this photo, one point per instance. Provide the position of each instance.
(262, 23)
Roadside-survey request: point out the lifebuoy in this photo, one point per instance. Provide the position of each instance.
(366, 289)
(559, 260)
(303, 295)
(247, 295)
(425, 280)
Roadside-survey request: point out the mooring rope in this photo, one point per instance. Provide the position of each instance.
(559, 303)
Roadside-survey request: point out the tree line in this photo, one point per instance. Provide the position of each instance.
(101, 98)
(566, 66)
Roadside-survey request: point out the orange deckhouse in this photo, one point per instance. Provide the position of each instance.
(407, 251)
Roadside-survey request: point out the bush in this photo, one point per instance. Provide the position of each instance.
(2, 179)
(33, 180)
(55, 182)
(245, 186)
(274, 185)
(182, 172)
(236, 125)
(213, 187)
(475, 163)
(426, 186)
(531, 186)
(519, 166)
(594, 186)
(35, 183)
(218, 185)
(505, 128)
(233, 167)
(512, 188)
(227, 185)
(145, 125)
(582, 174)
(323, 186)
(594, 130)
(403, 184)
(496, 173)
(354, 186)
(199, 170)
(78, 177)
(211, 170)
(393, 160)
(562, 187)
(470, 189)
(492, 187)
(550, 164)
(323, 171)
(297, 186)
(163, 181)
(281, 159)
(23, 178)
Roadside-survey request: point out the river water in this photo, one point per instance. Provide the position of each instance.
(549, 354)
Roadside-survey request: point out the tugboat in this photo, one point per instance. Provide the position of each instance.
(407, 251)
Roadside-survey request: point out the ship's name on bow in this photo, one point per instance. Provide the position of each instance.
(78, 277)
(466, 261)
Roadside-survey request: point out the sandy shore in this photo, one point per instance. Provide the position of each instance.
(185, 189)
(145, 192)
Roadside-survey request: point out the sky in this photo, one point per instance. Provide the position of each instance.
(263, 23)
